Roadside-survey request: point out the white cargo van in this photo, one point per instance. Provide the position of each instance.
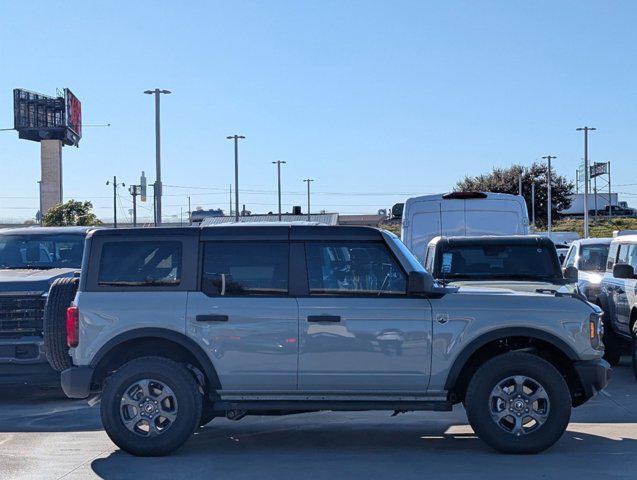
(460, 214)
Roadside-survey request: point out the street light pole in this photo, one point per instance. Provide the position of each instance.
(549, 200)
(586, 175)
(236, 139)
(308, 180)
(157, 191)
(278, 171)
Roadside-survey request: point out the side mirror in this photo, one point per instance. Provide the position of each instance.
(571, 273)
(623, 270)
(419, 282)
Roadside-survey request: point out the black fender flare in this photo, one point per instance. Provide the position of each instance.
(165, 334)
(493, 335)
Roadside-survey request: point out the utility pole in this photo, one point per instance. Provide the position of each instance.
(189, 212)
(308, 180)
(157, 190)
(236, 139)
(115, 185)
(549, 200)
(533, 205)
(520, 185)
(595, 195)
(586, 175)
(278, 170)
(134, 191)
(610, 196)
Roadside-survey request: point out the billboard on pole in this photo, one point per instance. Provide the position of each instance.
(39, 117)
(598, 169)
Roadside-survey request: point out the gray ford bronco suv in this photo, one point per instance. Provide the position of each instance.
(172, 327)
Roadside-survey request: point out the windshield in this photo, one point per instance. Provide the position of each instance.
(498, 261)
(593, 258)
(41, 251)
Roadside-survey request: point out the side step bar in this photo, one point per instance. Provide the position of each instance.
(341, 405)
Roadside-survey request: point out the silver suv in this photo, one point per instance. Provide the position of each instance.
(176, 326)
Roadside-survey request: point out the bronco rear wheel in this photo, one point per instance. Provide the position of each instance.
(151, 406)
(61, 294)
(518, 403)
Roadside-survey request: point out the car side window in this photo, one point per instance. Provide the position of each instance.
(429, 259)
(140, 264)
(245, 268)
(570, 257)
(612, 255)
(353, 268)
(622, 256)
(632, 256)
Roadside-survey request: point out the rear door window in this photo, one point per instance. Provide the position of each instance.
(612, 255)
(140, 264)
(245, 268)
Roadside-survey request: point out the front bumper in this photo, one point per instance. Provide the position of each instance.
(76, 382)
(593, 375)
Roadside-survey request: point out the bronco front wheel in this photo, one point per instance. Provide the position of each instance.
(518, 403)
(151, 406)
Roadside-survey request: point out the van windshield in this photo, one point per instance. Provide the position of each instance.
(498, 261)
(41, 251)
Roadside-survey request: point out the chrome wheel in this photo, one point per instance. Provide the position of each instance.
(148, 407)
(519, 405)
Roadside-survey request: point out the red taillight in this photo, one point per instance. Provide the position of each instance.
(72, 326)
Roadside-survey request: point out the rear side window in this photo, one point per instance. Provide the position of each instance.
(140, 264)
(245, 268)
(353, 268)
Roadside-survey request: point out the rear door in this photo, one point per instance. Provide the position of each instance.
(435, 217)
(359, 331)
(621, 288)
(242, 315)
(489, 216)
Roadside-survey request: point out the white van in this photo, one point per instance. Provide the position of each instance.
(461, 214)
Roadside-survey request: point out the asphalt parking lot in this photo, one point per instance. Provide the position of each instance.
(46, 436)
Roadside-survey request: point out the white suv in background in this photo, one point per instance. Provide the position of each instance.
(618, 298)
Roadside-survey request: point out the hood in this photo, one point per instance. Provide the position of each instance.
(31, 280)
(518, 285)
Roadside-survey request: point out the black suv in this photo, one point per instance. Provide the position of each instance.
(31, 258)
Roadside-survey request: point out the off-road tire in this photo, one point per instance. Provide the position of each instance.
(490, 374)
(614, 346)
(208, 413)
(179, 379)
(633, 348)
(61, 294)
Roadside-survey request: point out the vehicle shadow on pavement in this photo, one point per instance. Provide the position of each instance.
(24, 409)
(335, 450)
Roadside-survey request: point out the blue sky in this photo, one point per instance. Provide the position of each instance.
(374, 100)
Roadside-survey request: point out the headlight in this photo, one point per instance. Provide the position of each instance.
(596, 330)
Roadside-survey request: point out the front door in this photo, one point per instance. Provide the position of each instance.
(358, 329)
(243, 317)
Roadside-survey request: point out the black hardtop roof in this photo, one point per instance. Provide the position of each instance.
(496, 240)
(248, 231)
(46, 230)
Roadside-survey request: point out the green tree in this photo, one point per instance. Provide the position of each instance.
(505, 180)
(72, 212)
